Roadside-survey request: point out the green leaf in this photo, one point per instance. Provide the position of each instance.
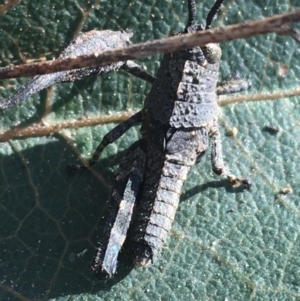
(225, 244)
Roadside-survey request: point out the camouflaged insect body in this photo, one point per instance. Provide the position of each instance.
(178, 120)
(179, 115)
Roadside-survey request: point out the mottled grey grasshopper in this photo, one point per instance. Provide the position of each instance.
(179, 117)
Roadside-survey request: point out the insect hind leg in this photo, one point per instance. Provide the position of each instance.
(126, 188)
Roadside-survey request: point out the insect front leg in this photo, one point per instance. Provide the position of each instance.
(233, 86)
(137, 71)
(126, 188)
(217, 161)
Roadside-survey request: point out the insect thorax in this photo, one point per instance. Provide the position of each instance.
(184, 94)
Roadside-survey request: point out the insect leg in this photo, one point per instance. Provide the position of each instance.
(41, 82)
(126, 188)
(217, 162)
(35, 85)
(233, 86)
(85, 43)
(115, 134)
(137, 71)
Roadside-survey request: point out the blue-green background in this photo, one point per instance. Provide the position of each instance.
(225, 244)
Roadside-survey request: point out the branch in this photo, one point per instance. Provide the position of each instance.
(7, 6)
(277, 24)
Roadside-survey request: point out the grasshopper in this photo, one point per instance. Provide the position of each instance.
(179, 117)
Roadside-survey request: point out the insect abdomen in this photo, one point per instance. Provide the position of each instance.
(157, 215)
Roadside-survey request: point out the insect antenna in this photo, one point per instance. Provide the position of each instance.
(192, 13)
(213, 12)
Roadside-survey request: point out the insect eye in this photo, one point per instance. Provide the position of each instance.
(212, 52)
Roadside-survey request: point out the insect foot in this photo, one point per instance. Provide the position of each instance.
(240, 181)
(179, 117)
